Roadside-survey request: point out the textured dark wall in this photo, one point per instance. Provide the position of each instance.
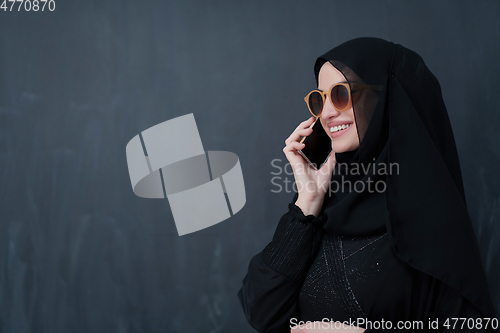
(79, 252)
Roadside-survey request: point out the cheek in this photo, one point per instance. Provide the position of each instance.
(323, 123)
(355, 130)
(349, 141)
(355, 138)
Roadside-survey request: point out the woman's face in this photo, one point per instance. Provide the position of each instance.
(344, 139)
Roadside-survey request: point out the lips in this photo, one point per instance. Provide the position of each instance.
(337, 128)
(338, 122)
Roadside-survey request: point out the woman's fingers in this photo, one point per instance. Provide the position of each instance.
(305, 123)
(301, 130)
(291, 153)
(296, 135)
(292, 146)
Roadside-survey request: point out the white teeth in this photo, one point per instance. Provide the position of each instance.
(338, 128)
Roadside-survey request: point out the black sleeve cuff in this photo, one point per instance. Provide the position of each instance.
(297, 212)
(295, 243)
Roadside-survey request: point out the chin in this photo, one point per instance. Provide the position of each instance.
(343, 146)
(340, 149)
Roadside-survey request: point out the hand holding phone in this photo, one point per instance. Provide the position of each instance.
(318, 146)
(311, 183)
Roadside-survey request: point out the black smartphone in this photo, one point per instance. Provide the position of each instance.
(318, 146)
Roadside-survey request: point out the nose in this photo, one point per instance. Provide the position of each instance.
(329, 111)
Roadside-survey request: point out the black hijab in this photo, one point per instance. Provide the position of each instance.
(403, 123)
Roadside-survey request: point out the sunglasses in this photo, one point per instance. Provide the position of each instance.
(340, 97)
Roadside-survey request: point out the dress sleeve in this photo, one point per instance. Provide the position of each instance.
(272, 285)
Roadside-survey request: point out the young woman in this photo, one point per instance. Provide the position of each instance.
(379, 237)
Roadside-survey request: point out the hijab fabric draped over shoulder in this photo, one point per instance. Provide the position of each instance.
(407, 146)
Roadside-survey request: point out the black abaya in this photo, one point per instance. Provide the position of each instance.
(430, 263)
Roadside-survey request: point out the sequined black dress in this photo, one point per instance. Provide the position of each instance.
(346, 270)
(305, 274)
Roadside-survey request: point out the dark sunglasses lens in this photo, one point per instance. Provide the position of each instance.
(340, 97)
(315, 103)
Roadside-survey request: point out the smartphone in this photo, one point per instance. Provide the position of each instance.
(318, 146)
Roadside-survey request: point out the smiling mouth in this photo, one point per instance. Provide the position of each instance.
(339, 128)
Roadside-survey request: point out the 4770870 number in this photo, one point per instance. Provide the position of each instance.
(28, 5)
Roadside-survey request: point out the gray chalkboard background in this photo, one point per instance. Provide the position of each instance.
(79, 252)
